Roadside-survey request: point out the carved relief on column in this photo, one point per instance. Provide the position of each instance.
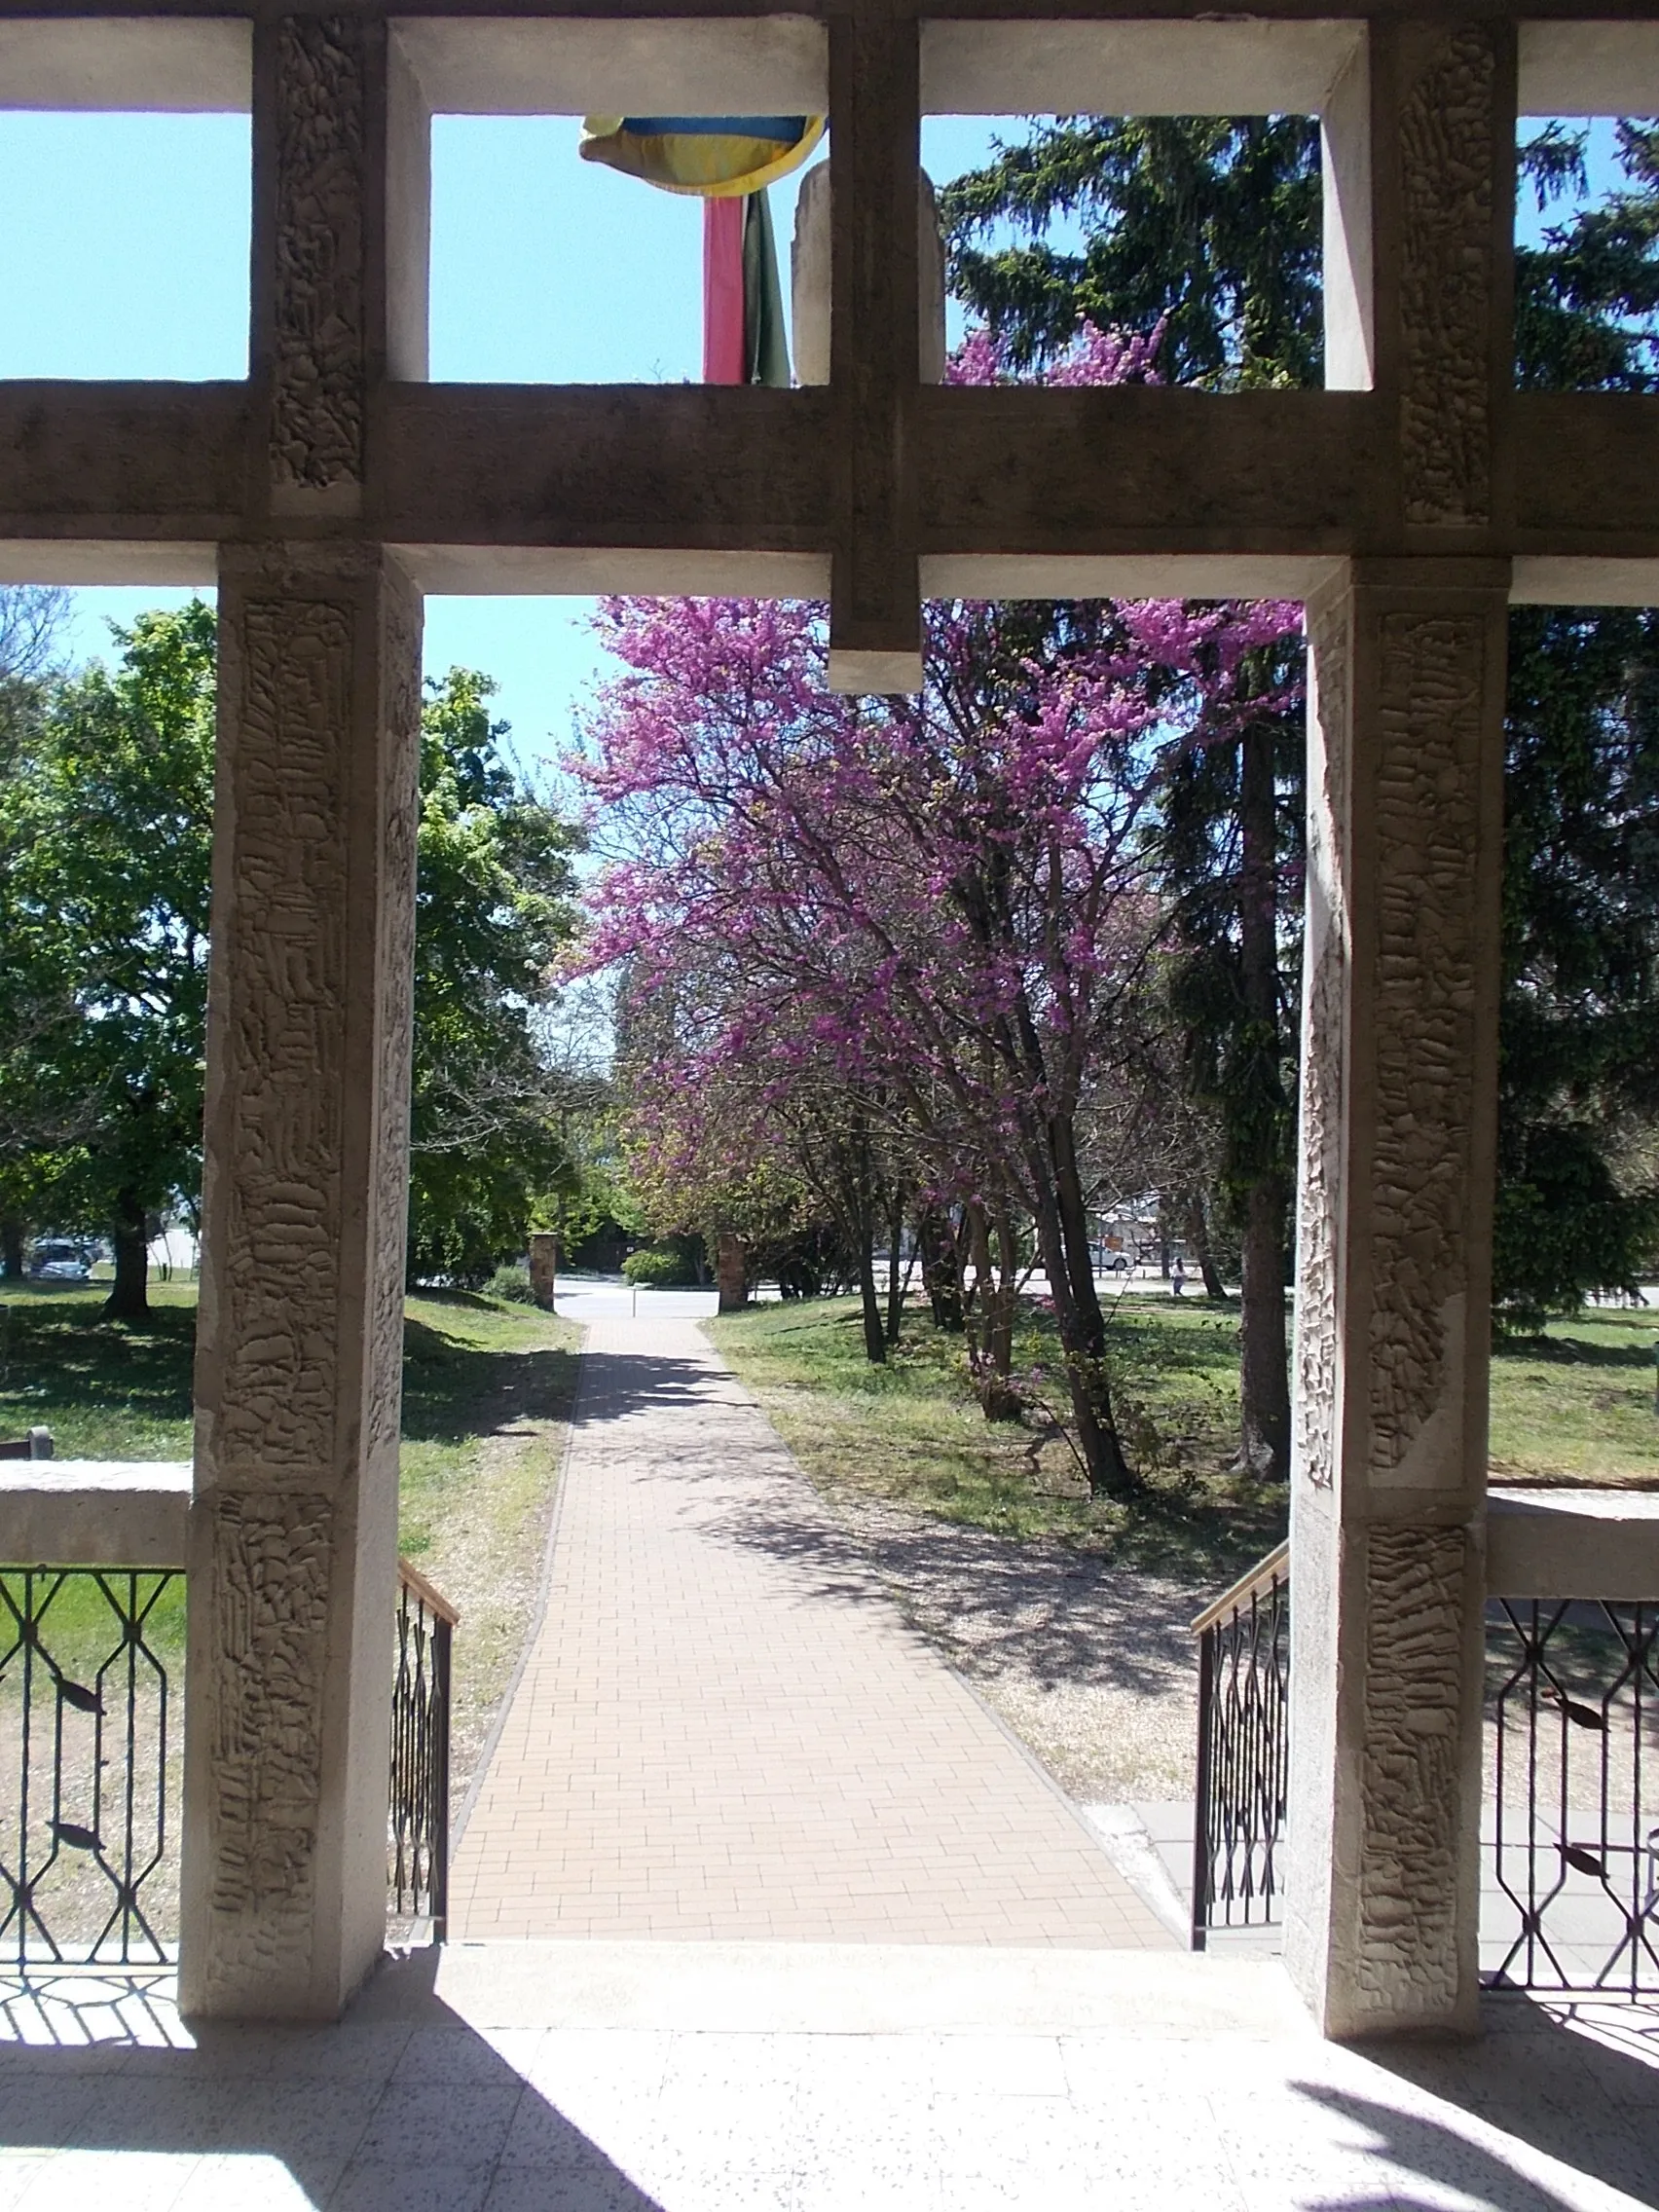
(1446, 274)
(1409, 1895)
(273, 1552)
(1427, 798)
(1325, 995)
(290, 663)
(401, 642)
(319, 345)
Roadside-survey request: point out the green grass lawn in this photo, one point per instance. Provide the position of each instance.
(487, 1388)
(1574, 1406)
(912, 1432)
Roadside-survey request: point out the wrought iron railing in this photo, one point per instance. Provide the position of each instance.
(418, 1840)
(1243, 1751)
(88, 1750)
(90, 1660)
(1571, 1851)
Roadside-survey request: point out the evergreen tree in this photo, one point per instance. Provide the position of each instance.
(1206, 225)
(1210, 227)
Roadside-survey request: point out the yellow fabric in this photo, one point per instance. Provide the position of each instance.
(707, 165)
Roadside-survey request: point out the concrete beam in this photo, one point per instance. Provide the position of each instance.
(121, 460)
(673, 65)
(1020, 66)
(1589, 68)
(553, 570)
(669, 466)
(93, 1512)
(1574, 1544)
(518, 486)
(157, 64)
(1140, 469)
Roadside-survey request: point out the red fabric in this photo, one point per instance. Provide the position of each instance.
(723, 357)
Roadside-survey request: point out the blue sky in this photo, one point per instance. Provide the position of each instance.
(126, 236)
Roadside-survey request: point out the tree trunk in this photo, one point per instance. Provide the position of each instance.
(897, 1284)
(1198, 1229)
(11, 1250)
(1264, 1380)
(990, 1336)
(1265, 1376)
(129, 1299)
(1062, 1241)
(1098, 1444)
(941, 1278)
(874, 1335)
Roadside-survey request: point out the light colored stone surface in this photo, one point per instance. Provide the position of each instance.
(725, 1729)
(703, 2077)
(293, 1526)
(1552, 1544)
(93, 1512)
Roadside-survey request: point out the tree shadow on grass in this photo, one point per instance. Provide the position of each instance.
(66, 1359)
(453, 1390)
(1571, 1351)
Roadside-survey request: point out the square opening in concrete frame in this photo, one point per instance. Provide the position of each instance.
(572, 289)
(125, 169)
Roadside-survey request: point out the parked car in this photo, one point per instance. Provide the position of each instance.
(1117, 1264)
(56, 1259)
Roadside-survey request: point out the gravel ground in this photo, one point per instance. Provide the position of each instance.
(1090, 1664)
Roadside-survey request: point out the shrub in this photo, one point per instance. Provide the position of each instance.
(512, 1284)
(657, 1270)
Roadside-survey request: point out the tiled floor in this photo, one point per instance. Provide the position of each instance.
(726, 1730)
(771, 2077)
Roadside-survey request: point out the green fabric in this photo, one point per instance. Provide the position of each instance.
(767, 349)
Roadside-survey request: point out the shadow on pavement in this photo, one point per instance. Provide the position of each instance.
(393, 2112)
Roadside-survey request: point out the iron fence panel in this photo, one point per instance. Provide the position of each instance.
(88, 1870)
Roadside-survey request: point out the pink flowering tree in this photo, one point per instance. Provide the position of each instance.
(944, 904)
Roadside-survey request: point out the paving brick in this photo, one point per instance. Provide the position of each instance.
(726, 1729)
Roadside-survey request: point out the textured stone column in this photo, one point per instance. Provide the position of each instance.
(1400, 1056)
(294, 1520)
(1399, 1080)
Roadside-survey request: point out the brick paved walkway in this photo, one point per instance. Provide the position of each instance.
(725, 1729)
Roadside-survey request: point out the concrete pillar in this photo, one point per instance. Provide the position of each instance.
(293, 1535)
(875, 622)
(1400, 1053)
(293, 1546)
(809, 280)
(1387, 1517)
(544, 1266)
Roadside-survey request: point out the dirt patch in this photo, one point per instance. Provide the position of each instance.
(1091, 1664)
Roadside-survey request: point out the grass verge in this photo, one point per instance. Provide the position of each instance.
(912, 1433)
(1575, 1405)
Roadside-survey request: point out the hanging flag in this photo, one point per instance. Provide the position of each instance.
(726, 356)
(726, 161)
(744, 339)
(708, 156)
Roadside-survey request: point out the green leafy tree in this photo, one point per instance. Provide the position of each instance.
(105, 839)
(106, 814)
(494, 908)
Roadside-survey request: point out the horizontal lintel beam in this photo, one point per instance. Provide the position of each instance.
(514, 470)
